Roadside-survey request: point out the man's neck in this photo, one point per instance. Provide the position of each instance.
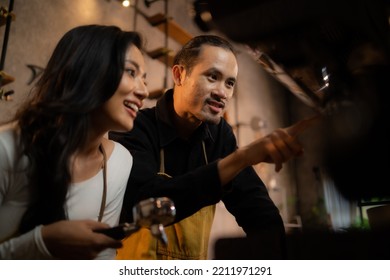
(185, 127)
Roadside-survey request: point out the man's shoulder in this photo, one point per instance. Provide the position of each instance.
(146, 116)
(147, 113)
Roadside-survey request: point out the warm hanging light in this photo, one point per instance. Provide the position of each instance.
(125, 3)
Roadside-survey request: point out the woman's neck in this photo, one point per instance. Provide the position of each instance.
(88, 160)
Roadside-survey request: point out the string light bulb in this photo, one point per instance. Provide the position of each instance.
(125, 3)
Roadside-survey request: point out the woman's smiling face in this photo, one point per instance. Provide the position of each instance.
(122, 108)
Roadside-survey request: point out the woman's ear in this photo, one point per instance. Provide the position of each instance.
(178, 74)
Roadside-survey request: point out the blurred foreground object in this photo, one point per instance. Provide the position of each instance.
(334, 56)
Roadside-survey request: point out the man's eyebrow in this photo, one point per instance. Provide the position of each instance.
(217, 71)
(232, 79)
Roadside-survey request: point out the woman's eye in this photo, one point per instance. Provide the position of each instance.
(131, 72)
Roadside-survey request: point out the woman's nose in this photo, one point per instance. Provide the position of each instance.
(142, 90)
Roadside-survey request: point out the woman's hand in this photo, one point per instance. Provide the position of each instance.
(77, 239)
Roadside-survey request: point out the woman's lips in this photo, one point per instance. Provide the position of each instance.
(132, 108)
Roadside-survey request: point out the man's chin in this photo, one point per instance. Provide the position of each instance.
(213, 119)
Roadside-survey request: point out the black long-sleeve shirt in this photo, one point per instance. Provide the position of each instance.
(194, 184)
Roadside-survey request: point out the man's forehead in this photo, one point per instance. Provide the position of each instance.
(217, 59)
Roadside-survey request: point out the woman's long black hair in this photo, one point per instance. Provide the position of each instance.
(83, 72)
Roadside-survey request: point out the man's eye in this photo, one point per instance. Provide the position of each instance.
(213, 77)
(230, 84)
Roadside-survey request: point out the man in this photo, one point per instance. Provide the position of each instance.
(183, 149)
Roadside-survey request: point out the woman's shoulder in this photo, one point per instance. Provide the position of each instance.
(120, 148)
(8, 130)
(120, 162)
(120, 152)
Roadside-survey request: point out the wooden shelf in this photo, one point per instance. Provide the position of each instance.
(161, 54)
(176, 32)
(165, 55)
(4, 14)
(5, 78)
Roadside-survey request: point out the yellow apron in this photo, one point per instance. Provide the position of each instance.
(187, 239)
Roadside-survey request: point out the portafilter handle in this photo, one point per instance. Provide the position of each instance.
(155, 213)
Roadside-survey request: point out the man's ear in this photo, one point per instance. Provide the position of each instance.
(178, 74)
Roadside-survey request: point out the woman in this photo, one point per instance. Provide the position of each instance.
(61, 179)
